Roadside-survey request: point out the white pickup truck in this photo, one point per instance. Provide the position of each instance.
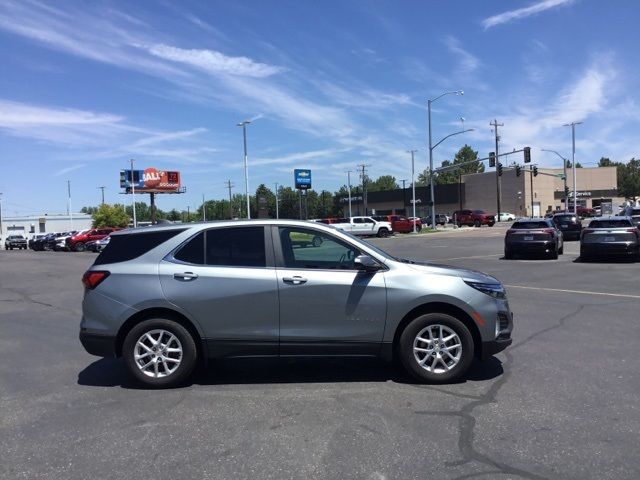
(365, 226)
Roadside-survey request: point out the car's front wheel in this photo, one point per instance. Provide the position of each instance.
(383, 232)
(436, 348)
(476, 223)
(80, 247)
(160, 353)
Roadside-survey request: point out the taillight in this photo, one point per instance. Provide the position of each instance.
(548, 231)
(92, 278)
(510, 231)
(632, 230)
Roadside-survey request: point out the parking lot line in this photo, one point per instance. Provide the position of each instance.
(575, 291)
(463, 258)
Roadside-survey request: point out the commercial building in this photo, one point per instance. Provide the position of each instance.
(30, 225)
(526, 195)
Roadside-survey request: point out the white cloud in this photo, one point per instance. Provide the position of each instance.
(468, 63)
(69, 169)
(524, 12)
(214, 62)
(292, 158)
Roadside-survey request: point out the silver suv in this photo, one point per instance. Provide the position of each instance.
(166, 298)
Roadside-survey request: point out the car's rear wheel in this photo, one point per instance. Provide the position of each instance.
(316, 242)
(436, 348)
(80, 247)
(491, 224)
(383, 232)
(476, 223)
(418, 228)
(508, 254)
(554, 253)
(160, 353)
(561, 249)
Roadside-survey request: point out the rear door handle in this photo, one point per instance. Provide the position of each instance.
(185, 276)
(296, 280)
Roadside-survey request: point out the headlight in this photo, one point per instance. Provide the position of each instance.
(495, 290)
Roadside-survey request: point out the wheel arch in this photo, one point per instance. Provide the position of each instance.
(440, 307)
(160, 312)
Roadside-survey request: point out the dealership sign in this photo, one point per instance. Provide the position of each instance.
(150, 180)
(302, 178)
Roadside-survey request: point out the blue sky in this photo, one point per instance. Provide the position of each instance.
(86, 86)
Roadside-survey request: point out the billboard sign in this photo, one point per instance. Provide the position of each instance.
(150, 180)
(302, 178)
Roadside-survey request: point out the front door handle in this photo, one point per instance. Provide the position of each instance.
(296, 280)
(185, 276)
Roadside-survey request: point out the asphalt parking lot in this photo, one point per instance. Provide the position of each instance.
(562, 402)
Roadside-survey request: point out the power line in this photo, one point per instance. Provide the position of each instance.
(363, 175)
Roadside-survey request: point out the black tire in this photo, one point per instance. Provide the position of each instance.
(383, 233)
(411, 363)
(317, 241)
(561, 249)
(584, 257)
(459, 224)
(187, 362)
(477, 224)
(491, 224)
(508, 254)
(418, 228)
(80, 247)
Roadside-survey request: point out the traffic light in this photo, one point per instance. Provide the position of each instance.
(518, 170)
(527, 154)
(535, 171)
(492, 159)
(566, 191)
(499, 169)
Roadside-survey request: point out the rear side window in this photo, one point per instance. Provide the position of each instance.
(235, 247)
(127, 247)
(529, 225)
(192, 251)
(610, 223)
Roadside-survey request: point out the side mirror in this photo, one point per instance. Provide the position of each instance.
(366, 263)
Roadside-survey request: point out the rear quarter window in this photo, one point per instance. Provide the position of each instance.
(122, 248)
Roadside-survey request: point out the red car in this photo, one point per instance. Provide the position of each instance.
(474, 218)
(77, 242)
(399, 224)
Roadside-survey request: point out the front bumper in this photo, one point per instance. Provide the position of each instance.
(97, 344)
(495, 346)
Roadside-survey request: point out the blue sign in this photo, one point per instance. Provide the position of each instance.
(125, 178)
(302, 178)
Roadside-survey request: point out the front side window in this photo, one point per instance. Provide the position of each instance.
(303, 248)
(369, 220)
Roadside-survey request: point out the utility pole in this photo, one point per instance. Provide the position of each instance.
(495, 126)
(573, 164)
(531, 184)
(229, 185)
(102, 188)
(246, 166)
(363, 167)
(133, 196)
(0, 215)
(277, 212)
(349, 189)
(69, 211)
(204, 214)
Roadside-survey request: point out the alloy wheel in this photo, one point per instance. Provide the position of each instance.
(437, 348)
(158, 353)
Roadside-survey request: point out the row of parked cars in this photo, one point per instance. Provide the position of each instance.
(617, 235)
(94, 240)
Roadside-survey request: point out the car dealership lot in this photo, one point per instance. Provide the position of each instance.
(560, 403)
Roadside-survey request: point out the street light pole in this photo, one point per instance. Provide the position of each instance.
(432, 193)
(133, 196)
(204, 205)
(564, 167)
(573, 164)
(102, 188)
(413, 187)
(244, 124)
(70, 212)
(277, 212)
(349, 190)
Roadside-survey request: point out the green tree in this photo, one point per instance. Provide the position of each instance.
(110, 216)
(385, 182)
(450, 175)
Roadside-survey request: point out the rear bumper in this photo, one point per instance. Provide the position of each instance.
(609, 248)
(532, 246)
(97, 344)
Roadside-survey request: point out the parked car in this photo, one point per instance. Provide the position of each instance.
(585, 212)
(569, 224)
(164, 297)
(606, 236)
(506, 217)
(33, 239)
(333, 220)
(61, 241)
(77, 242)
(366, 226)
(42, 243)
(634, 214)
(98, 245)
(399, 223)
(533, 236)
(15, 241)
(441, 219)
(474, 218)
